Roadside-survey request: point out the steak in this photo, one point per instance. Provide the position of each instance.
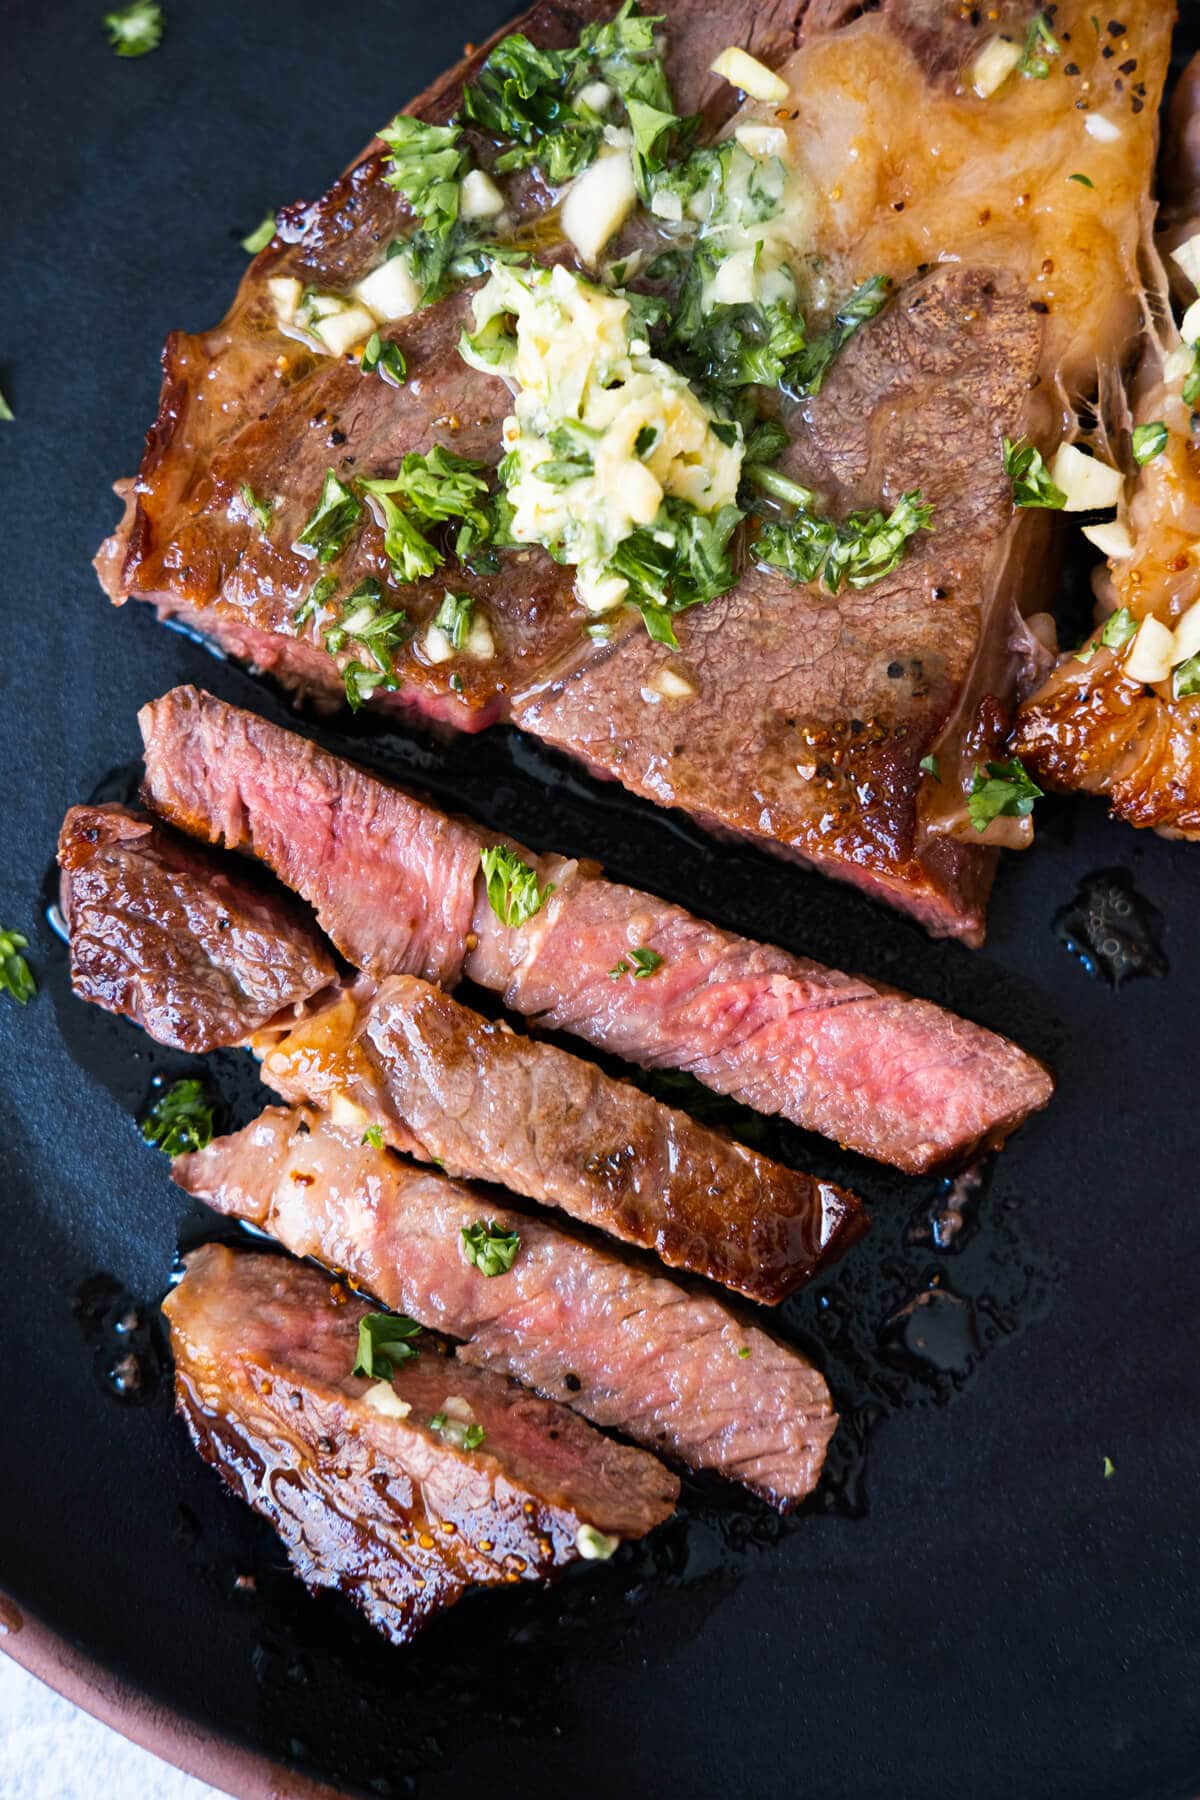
(630, 1350)
(397, 886)
(436, 1079)
(167, 933)
(369, 1495)
(843, 731)
(1092, 727)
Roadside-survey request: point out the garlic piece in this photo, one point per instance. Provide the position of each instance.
(1152, 652)
(746, 72)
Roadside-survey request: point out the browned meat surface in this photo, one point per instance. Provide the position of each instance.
(172, 936)
(397, 887)
(1092, 726)
(629, 1350)
(384, 1505)
(437, 1079)
(808, 716)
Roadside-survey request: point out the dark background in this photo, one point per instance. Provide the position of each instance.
(969, 1606)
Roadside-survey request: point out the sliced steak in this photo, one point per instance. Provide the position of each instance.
(629, 1350)
(368, 1495)
(168, 934)
(435, 1078)
(397, 887)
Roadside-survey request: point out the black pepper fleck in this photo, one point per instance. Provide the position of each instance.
(1127, 68)
(572, 1383)
(1038, 306)
(1070, 68)
(337, 437)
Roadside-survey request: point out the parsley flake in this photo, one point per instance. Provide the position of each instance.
(134, 30)
(260, 237)
(642, 963)
(1040, 45)
(6, 411)
(1005, 791)
(330, 524)
(384, 1339)
(512, 886)
(489, 1249)
(16, 979)
(929, 764)
(1032, 486)
(1185, 680)
(262, 509)
(385, 358)
(373, 1135)
(1149, 441)
(1083, 180)
(181, 1119)
(457, 1432)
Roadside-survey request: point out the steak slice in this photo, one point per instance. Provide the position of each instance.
(381, 1504)
(628, 1349)
(841, 730)
(168, 934)
(438, 1080)
(397, 887)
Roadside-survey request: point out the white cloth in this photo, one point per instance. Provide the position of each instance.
(50, 1750)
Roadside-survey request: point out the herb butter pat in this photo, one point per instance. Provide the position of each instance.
(601, 433)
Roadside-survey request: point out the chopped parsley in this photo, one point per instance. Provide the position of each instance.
(681, 559)
(453, 618)
(641, 964)
(262, 509)
(1032, 486)
(373, 1135)
(512, 886)
(384, 1339)
(806, 372)
(489, 1249)
(6, 411)
(537, 102)
(1083, 180)
(1004, 791)
(1109, 1468)
(134, 30)
(16, 979)
(428, 491)
(334, 518)
(426, 163)
(260, 237)
(1118, 628)
(457, 1432)
(1191, 384)
(364, 620)
(1149, 441)
(318, 596)
(385, 358)
(929, 765)
(1040, 45)
(1185, 679)
(180, 1120)
(743, 1351)
(856, 551)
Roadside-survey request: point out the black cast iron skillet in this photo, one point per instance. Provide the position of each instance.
(972, 1605)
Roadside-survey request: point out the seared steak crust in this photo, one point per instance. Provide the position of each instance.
(171, 936)
(397, 887)
(629, 1350)
(437, 1079)
(384, 1507)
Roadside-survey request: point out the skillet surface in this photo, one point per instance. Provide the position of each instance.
(971, 1605)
